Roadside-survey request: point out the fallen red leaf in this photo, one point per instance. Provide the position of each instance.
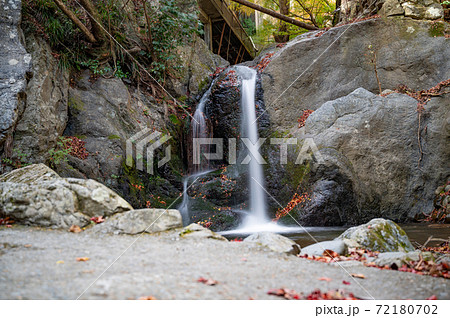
(286, 293)
(325, 279)
(432, 298)
(207, 281)
(97, 219)
(345, 282)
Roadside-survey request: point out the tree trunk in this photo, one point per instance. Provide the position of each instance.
(337, 13)
(94, 17)
(276, 15)
(89, 36)
(282, 35)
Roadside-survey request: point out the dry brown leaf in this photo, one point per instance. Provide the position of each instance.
(327, 279)
(358, 276)
(147, 298)
(82, 259)
(75, 229)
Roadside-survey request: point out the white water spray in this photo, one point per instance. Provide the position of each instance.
(249, 128)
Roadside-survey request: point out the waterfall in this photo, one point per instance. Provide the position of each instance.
(249, 128)
(199, 129)
(257, 215)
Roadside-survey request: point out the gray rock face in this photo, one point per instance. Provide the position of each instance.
(45, 114)
(392, 7)
(197, 231)
(274, 242)
(197, 63)
(400, 258)
(317, 249)
(15, 65)
(140, 221)
(36, 195)
(423, 9)
(370, 151)
(319, 74)
(377, 235)
(105, 114)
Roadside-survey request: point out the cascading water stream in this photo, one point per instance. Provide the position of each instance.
(199, 129)
(249, 128)
(256, 219)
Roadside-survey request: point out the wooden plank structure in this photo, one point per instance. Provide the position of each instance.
(224, 33)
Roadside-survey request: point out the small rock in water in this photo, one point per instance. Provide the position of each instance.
(378, 235)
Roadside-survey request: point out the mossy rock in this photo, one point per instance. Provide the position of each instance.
(378, 235)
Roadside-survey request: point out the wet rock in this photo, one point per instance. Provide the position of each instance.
(199, 232)
(141, 221)
(43, 198)
(377, 235)
(274, 242)
(317, 249)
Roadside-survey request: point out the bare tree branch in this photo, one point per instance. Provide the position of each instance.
(89, 36)
(95, 19)
(276, 15)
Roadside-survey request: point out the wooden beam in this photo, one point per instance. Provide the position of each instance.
(233, 22)
(237, 57)
(276, 15)
(221, 37)
(229, 39)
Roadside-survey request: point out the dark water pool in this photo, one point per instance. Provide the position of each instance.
(417, 233)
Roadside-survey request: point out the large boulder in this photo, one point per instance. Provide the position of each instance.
(378, 235)
(141, 221)
(372, 165)
(274, 242)
(15, 67)
(310, 70)
(36, 195)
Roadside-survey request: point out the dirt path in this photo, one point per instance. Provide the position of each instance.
(167, 267)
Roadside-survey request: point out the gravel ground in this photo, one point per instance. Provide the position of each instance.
(41, 264)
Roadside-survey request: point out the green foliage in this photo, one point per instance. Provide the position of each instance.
(59, 153)
(18, 160)
(44, 18)
(249, 26)
(170, 27)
